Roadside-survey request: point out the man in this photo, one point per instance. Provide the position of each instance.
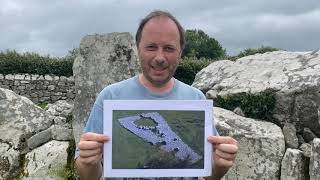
(160, 41)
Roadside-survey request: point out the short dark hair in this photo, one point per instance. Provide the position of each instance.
(158, 13)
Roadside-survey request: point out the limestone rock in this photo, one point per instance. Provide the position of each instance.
(46, 161)
(103, 60)
(314, 167)
(61, 111)
(61, 133)
(62, 114)
(290, 136)
(294, 165)
(20, 118)
(293, 77)
(62, 121)
(9, 161)
(306, 149)
(239, 111)
(261, 146)
(60, 108)
(39, 139)
(4, 161)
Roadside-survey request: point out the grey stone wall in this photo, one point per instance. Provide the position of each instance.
(39, 88)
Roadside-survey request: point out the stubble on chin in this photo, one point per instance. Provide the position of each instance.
(147, 68)
(157, 83)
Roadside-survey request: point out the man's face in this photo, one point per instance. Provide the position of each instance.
(159, 50)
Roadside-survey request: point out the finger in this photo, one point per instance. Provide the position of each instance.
(227, 148)
(221, 140)
(89, 145)
(222, 162)
(91, 160)
(224, 155)
(89, 153)
(89, 136)
(214, 146)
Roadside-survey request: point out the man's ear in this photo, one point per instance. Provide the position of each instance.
(138, 51)
(180, 56)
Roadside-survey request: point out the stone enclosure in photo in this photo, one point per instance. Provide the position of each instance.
(164, 134)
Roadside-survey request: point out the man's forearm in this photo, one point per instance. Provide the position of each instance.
(87, 172)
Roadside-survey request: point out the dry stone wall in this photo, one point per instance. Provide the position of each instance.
(39, 88)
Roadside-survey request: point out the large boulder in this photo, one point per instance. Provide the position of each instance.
(261, 146)
(20, 119)
(26, 133)
(48, 160)
(103, 60)
(292, 77)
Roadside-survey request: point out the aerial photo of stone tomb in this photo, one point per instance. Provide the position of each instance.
(161, 135)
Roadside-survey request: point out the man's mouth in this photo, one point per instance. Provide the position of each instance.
(158, 69)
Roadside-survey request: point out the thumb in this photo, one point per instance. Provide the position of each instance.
(215, 140)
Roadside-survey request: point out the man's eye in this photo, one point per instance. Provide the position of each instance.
(151, 48)
(169, 49)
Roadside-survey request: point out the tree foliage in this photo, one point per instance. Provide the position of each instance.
(189, 67)
(72, 54)
(252, 51)
(12, 62)
(200, 45)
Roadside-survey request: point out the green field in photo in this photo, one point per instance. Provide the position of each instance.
(131, 152)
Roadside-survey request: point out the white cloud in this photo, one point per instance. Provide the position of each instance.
(10, 8)
(54, 27)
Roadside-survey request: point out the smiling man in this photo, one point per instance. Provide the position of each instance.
(159, 52)
(160, 41)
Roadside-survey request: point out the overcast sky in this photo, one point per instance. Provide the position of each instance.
(54, 27)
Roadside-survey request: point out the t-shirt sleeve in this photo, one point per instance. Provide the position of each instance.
(95, 120)
(214, 130)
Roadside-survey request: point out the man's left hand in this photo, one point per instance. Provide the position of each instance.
(225, 149)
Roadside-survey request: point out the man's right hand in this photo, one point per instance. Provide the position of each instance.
(88, 163)
(91, 148)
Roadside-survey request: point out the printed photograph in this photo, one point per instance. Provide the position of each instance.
(158, 139)
(152, 138)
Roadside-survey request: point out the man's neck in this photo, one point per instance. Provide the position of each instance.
(151, 87)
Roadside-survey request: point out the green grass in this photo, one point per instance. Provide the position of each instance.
(64, 173)
(145, 122)
(43, 105)
(130, 151)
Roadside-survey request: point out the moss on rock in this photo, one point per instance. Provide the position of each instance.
(256, 106)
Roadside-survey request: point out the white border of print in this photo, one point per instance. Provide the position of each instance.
(110, 105)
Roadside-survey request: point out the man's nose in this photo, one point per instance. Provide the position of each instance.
(160, 56)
